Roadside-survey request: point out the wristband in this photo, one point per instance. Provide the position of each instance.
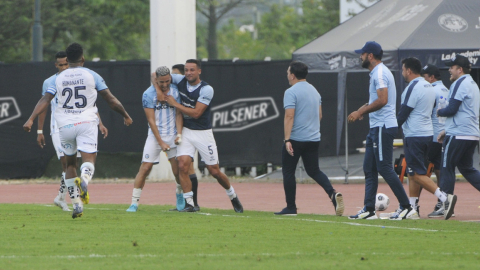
(287, 140)
(39, 131)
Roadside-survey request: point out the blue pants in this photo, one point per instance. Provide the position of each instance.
(378, 159)
(458, 153)
(309, 153)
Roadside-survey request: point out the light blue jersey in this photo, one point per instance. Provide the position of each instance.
(76, 89)
(306, 101)
(53, 103)
(382, 77)
(465, 121)
(165, 115)
(420, 96)
(440, 92)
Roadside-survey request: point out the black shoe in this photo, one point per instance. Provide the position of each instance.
(449, 205)
(197, 208)
(188, 208)
(287, 212)
(173, 210)
(237, 206)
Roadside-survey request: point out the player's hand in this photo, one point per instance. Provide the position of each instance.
(127, 121)
(441, 136)
(103, 130)
(178, 140)
(171, 100)
(354, 116)
(164, 146)
(288, 146)
(153, 78)
(41, 140)
(28, 125)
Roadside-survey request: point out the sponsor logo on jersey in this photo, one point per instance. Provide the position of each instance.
(243, 113)
(8, 109)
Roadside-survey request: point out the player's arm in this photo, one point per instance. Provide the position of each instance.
(287, 128)
(115, 105)
(320, 112)
(41, 106)
(192, 112)
(150, 114)
(101, 127)
(376, 105)
(179, 125)
(40, 122)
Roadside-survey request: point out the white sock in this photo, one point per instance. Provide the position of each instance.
(72, 190)
(188, 197)
(442, 196)
(231, 193)
(137, 192)
(87, 169)
(413, 202)
(179, 189)
(62, 192)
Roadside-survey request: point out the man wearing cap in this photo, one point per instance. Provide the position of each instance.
(383, 128)
(461, 134)
(432, 75)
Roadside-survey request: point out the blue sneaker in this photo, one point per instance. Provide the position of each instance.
(287, 212)
(180, 202)
(82, 186)
(77, 210)
(132, 208)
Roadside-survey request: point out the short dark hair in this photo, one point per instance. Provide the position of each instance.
(299, 69)
(74, 53)
(413, 64)
(466, 70)
(378, 56)
(180, 67)
(195, 61)
(60, 54)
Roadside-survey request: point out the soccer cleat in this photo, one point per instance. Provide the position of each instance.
(82, 186)
(364, 214)
(237, 206)
(287, 212)
(449, 205)
(436, 211)
(337, 200)
(404, 213)
(197, 208)
(180, 201)
(188, 208)
(62, 204)
(77, 210)
(133, 208)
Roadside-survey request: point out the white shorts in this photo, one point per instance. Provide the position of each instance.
(151, 151)
(82, 136)
(203, 141)
(58, 146)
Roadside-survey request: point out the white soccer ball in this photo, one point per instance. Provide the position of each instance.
(381, 202)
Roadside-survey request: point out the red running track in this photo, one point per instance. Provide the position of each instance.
(268, 197)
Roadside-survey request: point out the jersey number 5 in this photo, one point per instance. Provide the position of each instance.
(77, 96)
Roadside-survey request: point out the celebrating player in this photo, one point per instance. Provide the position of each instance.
(77, 120)
(164, 132)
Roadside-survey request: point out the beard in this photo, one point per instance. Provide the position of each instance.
(365, 63)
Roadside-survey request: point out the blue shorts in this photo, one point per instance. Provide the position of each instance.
(435, 154)
(416, 150)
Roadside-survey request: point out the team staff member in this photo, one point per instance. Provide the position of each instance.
(196, 96)
(432, 75)
(303, 112)
(461, 134)
(165, 127)
(383, 128)
(418, 100)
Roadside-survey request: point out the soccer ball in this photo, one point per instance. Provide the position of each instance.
(381, 202)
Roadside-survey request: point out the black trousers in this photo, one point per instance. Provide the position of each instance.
(309, 153)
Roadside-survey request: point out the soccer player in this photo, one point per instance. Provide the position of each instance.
(461, 134)
(164, 132)
(432, 75)
(61, 64)
(77, 120)
(418, 100)
(196, 96)
(383, 128)
(180, 69)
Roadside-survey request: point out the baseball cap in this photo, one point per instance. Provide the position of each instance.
(430, 70)
(458, 60)
(370, 47)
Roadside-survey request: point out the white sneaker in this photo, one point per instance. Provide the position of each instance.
(364, 214)
(61, 203)
(405, 213)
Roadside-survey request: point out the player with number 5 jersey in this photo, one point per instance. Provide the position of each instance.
(76, 90)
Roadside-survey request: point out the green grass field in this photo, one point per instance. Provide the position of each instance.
(107, 237)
